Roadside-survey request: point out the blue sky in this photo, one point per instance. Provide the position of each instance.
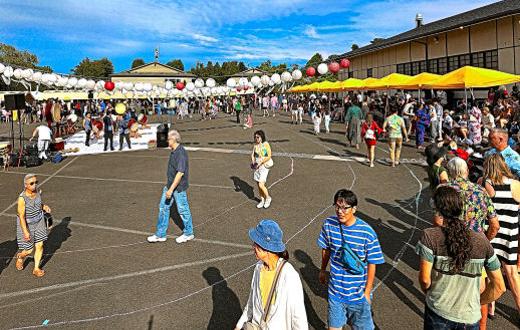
(62, 32)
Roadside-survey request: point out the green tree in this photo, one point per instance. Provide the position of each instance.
(376, 40)
(137, 62)
(102, 68)
(177, 64)
(9, 55)
(354, 47)
(315, 60)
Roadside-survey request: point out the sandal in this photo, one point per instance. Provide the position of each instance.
(38, 272)
(20, 261)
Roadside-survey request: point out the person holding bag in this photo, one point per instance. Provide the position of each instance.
(276, 298)
(353, 250)
(370, 130)
(261, 162)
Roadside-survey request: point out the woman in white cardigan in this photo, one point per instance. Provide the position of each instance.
(287, 310)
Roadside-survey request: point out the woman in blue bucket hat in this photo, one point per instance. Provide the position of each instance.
(273, 307)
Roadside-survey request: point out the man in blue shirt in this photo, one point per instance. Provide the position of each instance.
(176, 187)
(498, 139)
(349, 294)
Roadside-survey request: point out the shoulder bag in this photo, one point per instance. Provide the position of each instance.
(350, 260)
(263, 321)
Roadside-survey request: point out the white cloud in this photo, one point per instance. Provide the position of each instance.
(204, 38)
(310, 31)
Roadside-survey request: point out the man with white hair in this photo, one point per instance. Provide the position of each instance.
(478, 206)
(178, 174)
(31, 230)
(44, 140)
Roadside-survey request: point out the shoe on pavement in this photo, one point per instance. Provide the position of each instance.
(155, 239)
(184, 238)
(261, 204)
(267, 202)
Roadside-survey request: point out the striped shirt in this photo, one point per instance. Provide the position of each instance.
(362, 239)
(33, 208)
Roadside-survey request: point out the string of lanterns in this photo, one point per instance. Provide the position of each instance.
(198, 87)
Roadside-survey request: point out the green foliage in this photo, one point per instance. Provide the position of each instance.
(217, 70)
(354, 47)
(177, 64)
(314, 61)
(137, 62)
(9, 55)
(102, 68)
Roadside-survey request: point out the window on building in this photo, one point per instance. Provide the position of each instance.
(442, 65)
(464, 60)
(453, 63)
(350, 74)
(423, 66)
(369, 73)
(415, 68)
(491, 59)
(400, 68)
(433, 66)
(407, 68)
(477, 59)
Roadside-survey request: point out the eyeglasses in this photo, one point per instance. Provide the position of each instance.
(342, 209)
(33, 183)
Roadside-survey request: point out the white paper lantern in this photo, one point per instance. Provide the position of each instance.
(256, 81)
(62, 81)
(168, 85)
(231, 82)
(8, 72)
(242, 81)
(275, 78)
(265, 80)
(190, 86)
(91, 84)
(17, 73)
(53, 78)
(147, 87)
(82, 83)
(297, 74)
(211, 82)
(286, 76)
(73, 81)
(100, 84)
(27, 73)
(128, 86)
(199, 83)
(2, 68)
(138, 86)
(323, 68)
(37, 77)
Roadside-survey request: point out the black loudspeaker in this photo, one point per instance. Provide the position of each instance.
(90, 95)
(162, 136)
(14, 102)
(31, 150)
(32, 161)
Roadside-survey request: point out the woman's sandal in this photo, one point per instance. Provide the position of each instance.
(38, 273)
(20, 261)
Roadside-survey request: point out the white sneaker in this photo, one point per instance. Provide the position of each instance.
(261, 204)
(267, 202)
(155, 239)
(183, 238)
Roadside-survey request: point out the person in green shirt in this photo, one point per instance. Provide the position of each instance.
(353, 124)
(396, 129)
(238, 109)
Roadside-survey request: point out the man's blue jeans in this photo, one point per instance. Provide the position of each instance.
(433, 321)
(163, 219)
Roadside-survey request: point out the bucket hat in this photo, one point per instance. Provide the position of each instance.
(268, 235)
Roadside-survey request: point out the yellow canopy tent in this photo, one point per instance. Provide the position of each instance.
(327, 86)
(419, 80)
(351, 84)
(311, 87)
(368, 82)
(472, 77)
(295, 89)
(387, 82)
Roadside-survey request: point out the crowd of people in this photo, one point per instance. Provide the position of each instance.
(463, 258)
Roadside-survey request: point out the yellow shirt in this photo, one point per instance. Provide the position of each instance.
(266, 281)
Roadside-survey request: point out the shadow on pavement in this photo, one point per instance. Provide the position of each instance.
(7, 253)
(309, 273)
(244, 187)
(59, 233)
(226, 306)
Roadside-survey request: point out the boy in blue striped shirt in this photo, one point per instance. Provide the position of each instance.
(349, 294)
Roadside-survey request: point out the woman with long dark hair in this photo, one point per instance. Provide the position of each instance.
(453, 258)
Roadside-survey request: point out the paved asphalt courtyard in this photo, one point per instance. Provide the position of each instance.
(102, 274)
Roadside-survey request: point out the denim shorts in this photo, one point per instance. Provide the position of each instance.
(359, 316)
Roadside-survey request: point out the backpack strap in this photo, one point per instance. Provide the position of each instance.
(346, 246)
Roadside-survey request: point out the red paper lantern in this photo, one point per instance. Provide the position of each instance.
(179, 85)
(310, 71)
(334, 67)
(109, 86)
(239, 88)
(246, 87)
(345, 63)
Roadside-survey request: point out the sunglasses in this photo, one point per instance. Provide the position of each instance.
(33, 183)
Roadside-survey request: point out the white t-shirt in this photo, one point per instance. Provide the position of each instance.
(44, 133)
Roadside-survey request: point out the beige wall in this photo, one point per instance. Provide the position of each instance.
(154, 68)
(152, 80)
(503, 32)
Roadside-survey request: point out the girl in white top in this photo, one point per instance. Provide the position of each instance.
(287, 308)
(316, 119)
